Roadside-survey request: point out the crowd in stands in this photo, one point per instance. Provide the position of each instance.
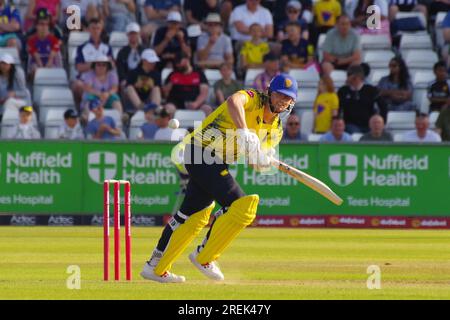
(364, 74)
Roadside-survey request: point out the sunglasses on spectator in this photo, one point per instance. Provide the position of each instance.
(101, 64)
(293, 11)
(293, 123)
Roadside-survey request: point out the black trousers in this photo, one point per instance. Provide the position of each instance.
(207, 182)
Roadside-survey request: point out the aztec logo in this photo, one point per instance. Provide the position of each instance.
(343, 168)
(102, 166)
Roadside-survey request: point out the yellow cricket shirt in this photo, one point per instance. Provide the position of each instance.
(326, 12)
(323, 110)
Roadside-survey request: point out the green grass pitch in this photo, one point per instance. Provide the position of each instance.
(261, 264)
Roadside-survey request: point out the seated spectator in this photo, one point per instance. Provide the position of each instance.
(118, 14)
(71, 129)
(254, 50)
(10, 25)
(44, 49)
(326, 13)
(226, 86)
(396, 6)
(86, 52)
(342, 47)
(421, 133)
(296, 51)
(13, 86)
(196, 11)
(101, 127)
(89, 9)
(53, 7)
(439, 90)
(156, 13)
(149, 128)
(396, 88)
(271, 69)
(377, 132)
(213, 46)
(25, 129)
(446, 32)
(337, 132)
(101, 83)
(326, 105)
(358, 13)
(245, 15)
(359, 101)
(443, 124)
(129, 56)
(144, 82)
(293, 13)
(186, 87)
(171, 40)
(162, 118)
(292, 132)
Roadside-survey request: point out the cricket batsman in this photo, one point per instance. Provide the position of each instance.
(247, 124)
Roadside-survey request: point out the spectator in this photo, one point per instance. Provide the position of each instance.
(53, 7)
(101, 83)
(196, 11)
(44, 49)
(421, 133)
(443, 124)
(396, 6)
(13, 86)
(86, 52)
(337, 132)
(271, 69)
(171, 40)
(245, 15)
(296, 51)
(213, 46)
(326, 13)
(377, 132)
(358, 13)
(446, 32)
(144, 82)
(359, 101)
(186, 87)
(396, 88)
(326, 105)
(71, 129)
(253, 50)
(25, 129)
(149, 128)
(342, 47)
(293, 13)
(129, 56)
(280, 14)
(156, 13)
(9, 26)
(101, 127)
(292, 132)
(439, 90)
(118, 14)
(226, 86)
(89, 9)
(162, 118)
(439, 6)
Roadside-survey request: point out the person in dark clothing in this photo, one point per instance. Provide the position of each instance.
(129, 56)
(359, 101)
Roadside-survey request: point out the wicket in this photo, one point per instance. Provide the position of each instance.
(127, 220)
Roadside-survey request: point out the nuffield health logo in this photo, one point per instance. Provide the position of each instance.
(102, 166)
(343, 168)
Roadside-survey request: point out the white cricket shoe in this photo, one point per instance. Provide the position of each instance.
(167, 277)
(211, 269)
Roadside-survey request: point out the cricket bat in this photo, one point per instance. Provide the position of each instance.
(308, 180)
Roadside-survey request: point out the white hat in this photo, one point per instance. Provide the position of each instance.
(150, 55)
(213, 18)
(7, 58)
(174, 16)
(294, 4)
(133, 27)
(100, 58)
